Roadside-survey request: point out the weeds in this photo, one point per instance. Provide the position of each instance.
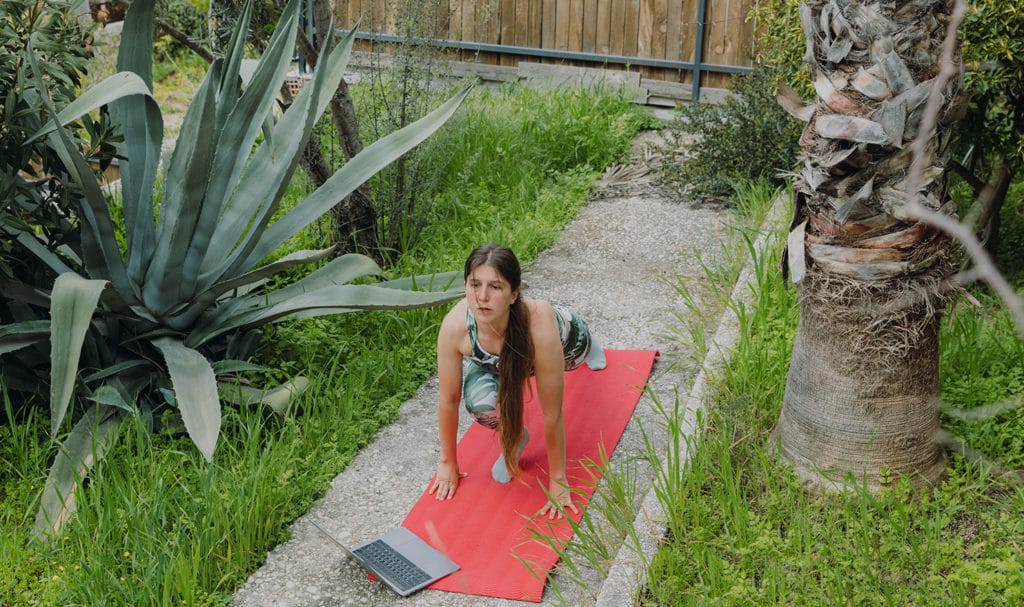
(743, 530)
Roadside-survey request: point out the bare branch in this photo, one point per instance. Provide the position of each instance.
(985, 268)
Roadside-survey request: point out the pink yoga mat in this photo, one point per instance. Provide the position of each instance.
(486, 527)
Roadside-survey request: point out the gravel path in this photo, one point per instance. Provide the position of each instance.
(617, 264)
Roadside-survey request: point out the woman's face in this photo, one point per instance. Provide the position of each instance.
(488, 293)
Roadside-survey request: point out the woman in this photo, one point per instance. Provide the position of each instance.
(488, 345)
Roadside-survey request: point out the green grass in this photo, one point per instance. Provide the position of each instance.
(156, 525)
(742, 530)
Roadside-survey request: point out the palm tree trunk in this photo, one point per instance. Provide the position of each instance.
(862, 391)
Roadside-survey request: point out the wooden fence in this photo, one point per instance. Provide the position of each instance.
(675, 46)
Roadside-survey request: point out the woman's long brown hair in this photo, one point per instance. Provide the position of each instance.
(516, 357)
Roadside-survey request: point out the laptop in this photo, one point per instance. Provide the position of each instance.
(400, 559)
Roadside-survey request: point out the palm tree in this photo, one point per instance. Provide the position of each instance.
(862, 391)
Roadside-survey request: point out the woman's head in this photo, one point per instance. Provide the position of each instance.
(498, 257)
(492, 277)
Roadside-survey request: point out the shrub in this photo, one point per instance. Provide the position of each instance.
(747, 137)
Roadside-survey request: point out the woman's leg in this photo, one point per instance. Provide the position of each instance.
(480, 397)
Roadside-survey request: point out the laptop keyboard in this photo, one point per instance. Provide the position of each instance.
(401, 571)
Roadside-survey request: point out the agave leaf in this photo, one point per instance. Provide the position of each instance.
(17, 291)
(357, 170)
(336, 299)
(223, 367)
(195, 392)
(185, 187)
(227, 93)
(110, 89)
(339, 271)
(72, 304)
(31, 242)
(20, 334)
(269, 171)
(297, 258)
(109, 395)
(441, 281)
(234, 141)
(276, 398)
(140, 118)
(89, 441)
(116, 369)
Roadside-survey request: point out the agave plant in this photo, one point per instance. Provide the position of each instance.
(156, 321)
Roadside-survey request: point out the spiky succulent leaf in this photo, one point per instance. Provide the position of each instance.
(366, 163)
(276, 398)
(108, 90)
(268, 173)
(20, 334)
(143, 129)
(90, 439)
(335, 299)
(188, 175)
(72, 304)
(195, 393)
(259, 275)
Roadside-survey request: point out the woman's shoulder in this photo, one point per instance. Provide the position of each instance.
(455, 320)
(538, 306)
(542, 316)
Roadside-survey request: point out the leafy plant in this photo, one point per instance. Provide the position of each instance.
(722, 152)
(166, 321)
(34, 189)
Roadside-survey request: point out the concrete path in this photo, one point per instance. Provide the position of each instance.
(617, 264)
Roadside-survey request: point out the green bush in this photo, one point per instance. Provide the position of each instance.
(747, 137)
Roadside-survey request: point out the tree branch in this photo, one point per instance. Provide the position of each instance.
(183, 38)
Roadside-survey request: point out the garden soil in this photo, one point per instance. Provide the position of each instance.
(619, 263)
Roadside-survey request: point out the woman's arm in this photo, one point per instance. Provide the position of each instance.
(449, 373)
(549, 370)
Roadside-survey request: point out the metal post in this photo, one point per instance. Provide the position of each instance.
(698, 53)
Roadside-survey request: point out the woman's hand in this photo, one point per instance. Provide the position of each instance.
(559, 501)
(446, 481)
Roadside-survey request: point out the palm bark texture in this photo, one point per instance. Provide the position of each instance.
(861, 394)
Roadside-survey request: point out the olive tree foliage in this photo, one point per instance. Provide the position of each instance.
(34, 187)
(156, 307)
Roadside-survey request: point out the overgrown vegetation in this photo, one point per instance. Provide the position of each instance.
(711, 149)
(743, 530)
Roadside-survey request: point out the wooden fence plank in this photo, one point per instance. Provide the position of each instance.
(631, 34)
(522, 17)
(589, 38)
(549, 19)
(534, 26)
(562, 24)
(617, 27)
(660, 27)
(604, 17)
(674, 30)
(455, 24)
(575, 25)
(645, 32)
(489, 19)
